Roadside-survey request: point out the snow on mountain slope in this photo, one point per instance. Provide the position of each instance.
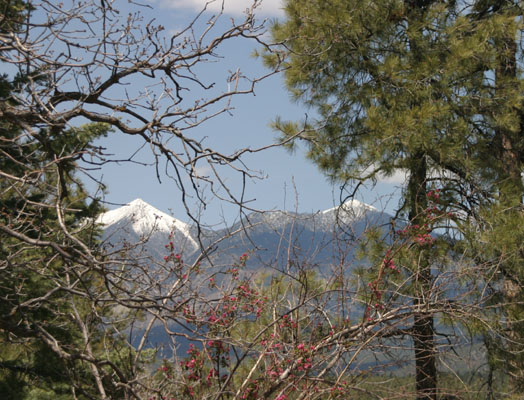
(347, 213)
(352, 206)
(145, 219)
(140, 223)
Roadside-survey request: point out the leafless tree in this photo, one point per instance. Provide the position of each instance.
(300, 330)
(75, 71)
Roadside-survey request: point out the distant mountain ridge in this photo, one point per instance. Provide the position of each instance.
(324, 242)
(289, 242)
(267, 235)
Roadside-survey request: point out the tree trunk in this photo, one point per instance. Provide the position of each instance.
(423, 325)
(511, 190)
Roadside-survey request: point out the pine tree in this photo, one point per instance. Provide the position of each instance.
(405, 85)
(42, 348)
(37, 308)
(503, 218)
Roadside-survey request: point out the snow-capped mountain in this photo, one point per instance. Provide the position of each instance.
(311, 238)
(140, 222)
(270, 236)
(352, 208)
(144, 218)
(278, 240)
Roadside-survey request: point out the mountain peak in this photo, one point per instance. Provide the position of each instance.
(138, 203)
(143, 218)
(352, 206)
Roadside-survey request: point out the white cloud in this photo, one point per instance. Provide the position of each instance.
(400, 176)
(266, 8)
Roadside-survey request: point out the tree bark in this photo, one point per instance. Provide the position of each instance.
(423, 325)
(511, 190)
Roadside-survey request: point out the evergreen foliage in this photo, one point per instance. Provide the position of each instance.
(44, 317)
(37, 303)
(432, 88)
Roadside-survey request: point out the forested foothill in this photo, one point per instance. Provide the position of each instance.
(425, 304)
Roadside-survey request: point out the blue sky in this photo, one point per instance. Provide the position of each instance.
(288, 181)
